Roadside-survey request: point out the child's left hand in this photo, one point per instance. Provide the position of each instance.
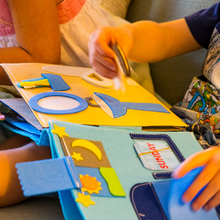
(210, 176)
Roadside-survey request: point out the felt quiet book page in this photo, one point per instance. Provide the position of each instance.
(60, 96)
(107, 155)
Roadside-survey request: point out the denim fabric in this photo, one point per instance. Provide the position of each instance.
(145, 202)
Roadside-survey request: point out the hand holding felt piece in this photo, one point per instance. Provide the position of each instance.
(209, 178)
(123, 68)
(176, 204)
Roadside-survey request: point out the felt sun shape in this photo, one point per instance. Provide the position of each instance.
(85, 200)
(90, 184)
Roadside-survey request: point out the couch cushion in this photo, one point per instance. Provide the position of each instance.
(171, 77)
(116, 7)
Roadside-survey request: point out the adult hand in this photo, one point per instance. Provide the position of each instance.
(100, 53)
(209, 177)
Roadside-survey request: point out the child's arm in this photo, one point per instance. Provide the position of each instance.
(143, 41)
(21, 150)
(37, 31)
(210, 197)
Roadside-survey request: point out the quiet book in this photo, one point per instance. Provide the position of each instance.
(113, 150)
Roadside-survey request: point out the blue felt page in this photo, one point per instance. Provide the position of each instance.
(46, 176)
(120, 151)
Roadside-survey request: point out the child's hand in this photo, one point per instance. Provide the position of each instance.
(100, 53)
(210, 176)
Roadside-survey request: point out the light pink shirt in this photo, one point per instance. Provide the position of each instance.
(6, 23)
(67, 10)
(77, 18)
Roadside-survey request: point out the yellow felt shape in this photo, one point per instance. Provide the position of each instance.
(88, 145)
(91, 115)
(60, 131)
(85, 200)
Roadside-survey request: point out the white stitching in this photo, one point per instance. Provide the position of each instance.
(133, 202)
(160, 177)
(174, 145)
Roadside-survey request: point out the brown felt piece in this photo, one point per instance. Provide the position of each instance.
(89, 158)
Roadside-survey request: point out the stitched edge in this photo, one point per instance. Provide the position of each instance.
(158, 200)
(132, 198)
(164, 137)
(162, 175)
(153, 190)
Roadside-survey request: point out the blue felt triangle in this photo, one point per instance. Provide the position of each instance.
(115, 105)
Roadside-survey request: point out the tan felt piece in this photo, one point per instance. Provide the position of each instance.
(90, 158)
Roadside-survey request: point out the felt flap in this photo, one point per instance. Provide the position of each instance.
(83, 89)
(47, 176)
(118, 146)
(169, 198)
(151, 201)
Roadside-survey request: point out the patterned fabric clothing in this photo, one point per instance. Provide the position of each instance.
(203, 133)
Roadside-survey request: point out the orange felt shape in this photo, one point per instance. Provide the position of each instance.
(89, 182)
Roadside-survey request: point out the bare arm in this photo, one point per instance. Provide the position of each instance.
(37, 30)
(158, 41)
(143, 41)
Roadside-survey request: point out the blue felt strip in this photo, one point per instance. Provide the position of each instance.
(42, 139)
(32, 136)
(145, 107)
(33, 102)
(46, 176)
(120, 108)
(24, 125)
(56, 82)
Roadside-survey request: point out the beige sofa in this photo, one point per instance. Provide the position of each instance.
(170, 79)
